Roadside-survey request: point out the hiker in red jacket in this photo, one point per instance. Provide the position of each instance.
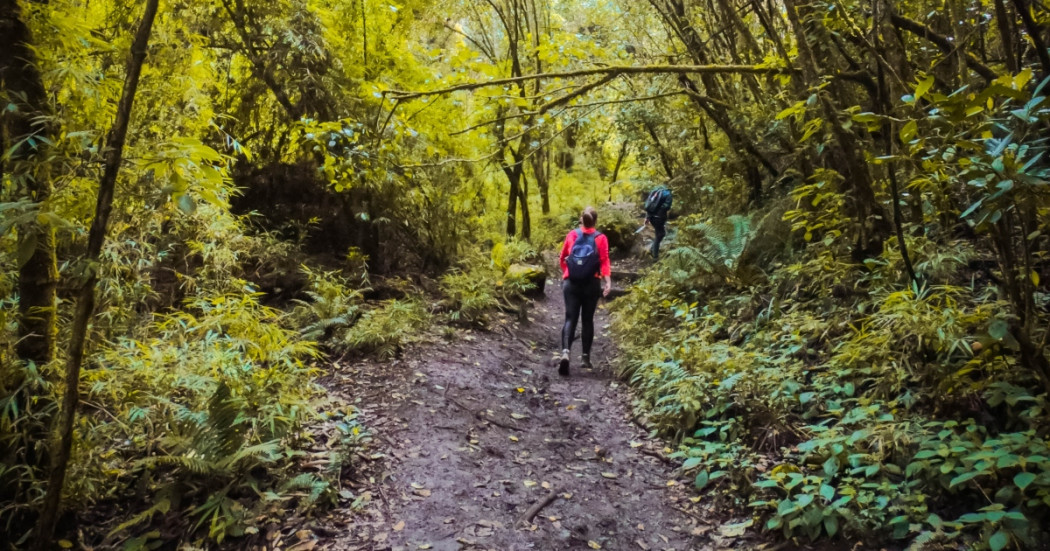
(586, 276)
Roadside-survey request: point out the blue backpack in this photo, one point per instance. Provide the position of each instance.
(656, 201)
(584, 261)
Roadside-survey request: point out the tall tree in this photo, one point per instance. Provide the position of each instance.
(28, 133)
(86, 295)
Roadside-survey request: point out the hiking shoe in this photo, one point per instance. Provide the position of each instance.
(587, 362)
(563, 363)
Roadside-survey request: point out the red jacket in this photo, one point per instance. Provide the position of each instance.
(603, 252)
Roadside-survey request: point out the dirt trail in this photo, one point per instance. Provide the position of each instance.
(479, 428)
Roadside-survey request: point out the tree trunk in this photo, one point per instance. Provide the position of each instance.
(1034, 34)
(513, 178)
(540, 169)
(674, 14)
(523, 200)
(869, 217)
(38, 272)
(1003, 21)
(616, 169)
(86, 296)
(23, 87)
(665, 159)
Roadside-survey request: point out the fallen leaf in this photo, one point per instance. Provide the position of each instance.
(642, 544)
(546, 485)
(593, 544)
(609, 475)
(530, 483)
(636, 444)
(571, 407)
(380, 537)
(422, 493)
(671, 483)
(520, 389)
(304, 535)
(567, 495)
(641, 526)
(418, 486)
(519, 416)
(513, 438)
(735, 530)
(399, 526)
(425, 546)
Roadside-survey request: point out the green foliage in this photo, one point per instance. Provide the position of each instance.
(386, 329)
(830, 420)
(332, 307)
(481, 285)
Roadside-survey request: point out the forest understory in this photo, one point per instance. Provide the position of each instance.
(270, 274)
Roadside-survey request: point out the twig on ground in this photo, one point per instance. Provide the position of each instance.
(480, 414)
(656, 454)
(692, 515)
(527, 517)
(512, 335)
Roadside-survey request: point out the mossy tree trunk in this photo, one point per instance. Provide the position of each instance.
(27, 135)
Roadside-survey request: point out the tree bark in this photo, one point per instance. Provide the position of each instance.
(616, 169)
(21, 133)
(1006, 37)
(1034, 33)
(23, 129)
(540, 169)
(857, 183)
(674, 14)
(941, 42)
(86, 296)
(665, 159)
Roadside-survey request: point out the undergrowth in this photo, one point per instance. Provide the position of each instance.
(480, 285)
(832, 405)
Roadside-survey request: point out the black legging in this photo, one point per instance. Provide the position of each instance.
(659, 225)
(580, 296)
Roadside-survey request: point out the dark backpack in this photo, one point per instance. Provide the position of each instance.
(655, 200)
(583, 260)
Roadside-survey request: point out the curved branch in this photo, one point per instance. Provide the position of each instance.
(614, 70)
(941, 42)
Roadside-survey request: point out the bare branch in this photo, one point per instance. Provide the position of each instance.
(611, 71)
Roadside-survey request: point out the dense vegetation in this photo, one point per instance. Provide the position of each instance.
(847, 337)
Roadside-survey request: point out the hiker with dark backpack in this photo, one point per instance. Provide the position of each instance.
(586, 276)
(657, 205)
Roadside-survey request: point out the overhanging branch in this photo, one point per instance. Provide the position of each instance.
(941, 42)
(610, 72)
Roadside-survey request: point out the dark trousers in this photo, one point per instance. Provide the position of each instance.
(580, 297)
(660, 226)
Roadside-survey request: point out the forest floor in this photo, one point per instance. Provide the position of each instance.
(477, 429)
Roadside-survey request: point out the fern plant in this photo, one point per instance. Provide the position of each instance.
(714, 252)
(333, 306)
(385, 330)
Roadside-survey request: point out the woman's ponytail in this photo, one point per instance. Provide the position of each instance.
(589, 217)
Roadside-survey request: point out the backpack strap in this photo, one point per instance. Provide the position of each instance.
(579, 234)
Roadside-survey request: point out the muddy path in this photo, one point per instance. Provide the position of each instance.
(476, 430)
